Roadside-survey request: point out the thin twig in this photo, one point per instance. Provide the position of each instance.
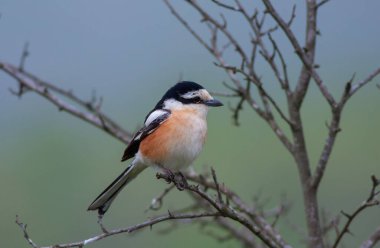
(322, 2)
(26, 235)
(47, 91)
(226, 6)
(224, 210)
(334, 128)
(369, 202)
(360, 84)
(156, 203)
(24, 55)
(241, 206)
(148, 223)
(372, 240)
(187, 26)
(308, 69)
(216, 185)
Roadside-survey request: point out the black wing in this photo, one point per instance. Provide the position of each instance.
(133, 146)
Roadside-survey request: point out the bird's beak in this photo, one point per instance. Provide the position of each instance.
(213, 103)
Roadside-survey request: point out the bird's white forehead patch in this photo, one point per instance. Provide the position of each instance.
(202, 94)
(190, 94)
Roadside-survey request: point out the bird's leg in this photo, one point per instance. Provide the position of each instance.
(180, 181)
(100, 222)
(168, 175)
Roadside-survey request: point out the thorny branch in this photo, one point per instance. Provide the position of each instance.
(149, 223)
(157, 201)
(246, 71)
(243, 92)
(253, 220)
(334, 125)
(372, 240)
(57, 96)
(26, 235)
(226, 210)
(369, 202)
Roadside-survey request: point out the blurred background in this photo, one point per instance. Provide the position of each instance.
(129, 52)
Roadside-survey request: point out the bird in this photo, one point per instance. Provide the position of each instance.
(172, 137)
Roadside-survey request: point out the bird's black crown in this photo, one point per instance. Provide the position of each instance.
(178, 90)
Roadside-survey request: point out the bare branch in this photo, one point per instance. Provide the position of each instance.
(187, 26)
(24, 56)
(48, 91)
(239, 219)
(354, 88)
(226, 6)
(226, 210)
(255, 26)
(372, 240)
(327, 149)
(306, 55)
(243, 91)
(334, 128)
(148, 223)
(240, 234)
(26, 235)
(307, 58)
(220, 199)
(369, 202)
(221, 27)
(292, 16)
(236, 111)
(241, 206)
(285, 80)
(322, 2)
(266, 115)
(156, 203)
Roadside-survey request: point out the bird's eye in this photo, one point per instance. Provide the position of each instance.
(197, 100)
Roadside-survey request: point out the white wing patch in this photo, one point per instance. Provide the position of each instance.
(154, 115)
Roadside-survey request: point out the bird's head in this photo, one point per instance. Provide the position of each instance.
(187, 94)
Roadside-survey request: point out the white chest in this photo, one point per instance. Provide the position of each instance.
(187, 142)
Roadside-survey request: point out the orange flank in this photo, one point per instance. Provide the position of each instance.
(176, 131)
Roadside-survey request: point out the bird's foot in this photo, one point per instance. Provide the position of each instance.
(168, 175)
(178, 179)
(100, 222)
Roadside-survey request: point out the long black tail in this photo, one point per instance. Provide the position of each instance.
(104, 200)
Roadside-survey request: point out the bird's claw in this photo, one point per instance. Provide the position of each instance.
(178, 179)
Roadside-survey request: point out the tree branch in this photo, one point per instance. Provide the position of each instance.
(369, 202)
(148, 223)
(322, 2)
(372, 240)
(354, 88)
(55, 95)
(225, 210)
(243, 92)
(334, 128)
(300, 154)
(305, 54)
(156, 203)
